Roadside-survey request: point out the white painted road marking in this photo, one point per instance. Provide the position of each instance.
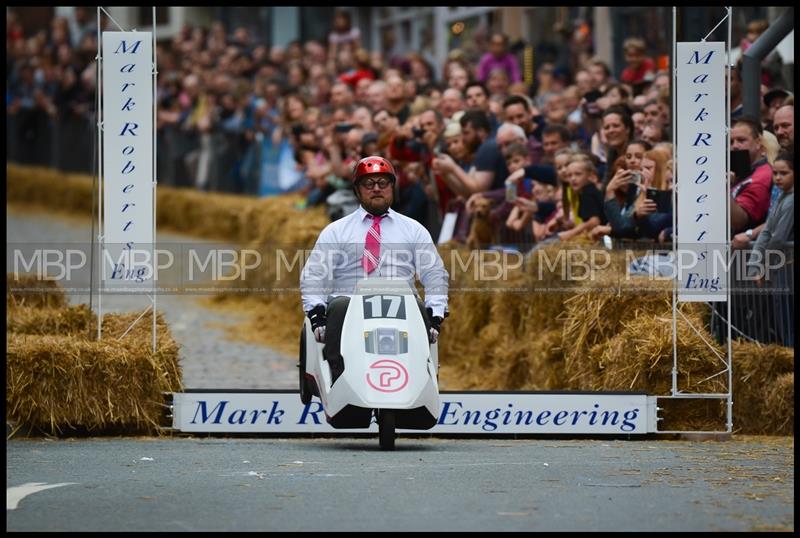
(17, 493)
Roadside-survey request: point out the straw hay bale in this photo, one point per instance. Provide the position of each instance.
(58, 377)
(592, 318)
(780, 405)
(639, 358)
(535, 363)
(216, 216)
(46, 187)
(29, 291)
(59, 382)
(763, 388)
(70, 320)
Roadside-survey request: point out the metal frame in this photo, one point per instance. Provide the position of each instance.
(101, 180)
(675, 394)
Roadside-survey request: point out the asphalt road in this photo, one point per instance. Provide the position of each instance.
(436, 484)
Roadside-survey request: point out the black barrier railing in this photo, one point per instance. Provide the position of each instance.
(219, 160)
(761, 309)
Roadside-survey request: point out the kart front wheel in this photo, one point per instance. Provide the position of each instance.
(386, 422)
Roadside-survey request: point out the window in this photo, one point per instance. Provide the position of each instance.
(145, 16)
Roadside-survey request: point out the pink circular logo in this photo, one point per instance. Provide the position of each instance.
(391, 376)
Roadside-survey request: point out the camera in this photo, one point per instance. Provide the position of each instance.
(417, 132)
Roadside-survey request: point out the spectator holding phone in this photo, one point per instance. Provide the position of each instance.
(623, 193)
(656, 217)
(750, 195)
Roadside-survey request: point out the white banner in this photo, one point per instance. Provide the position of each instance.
(701, 181)
(464, 412)
(127, 70)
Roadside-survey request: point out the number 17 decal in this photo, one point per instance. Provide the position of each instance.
(384, 306)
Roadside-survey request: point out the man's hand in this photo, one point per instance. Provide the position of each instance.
(740, 241)
(436, 326)
(318, 322)
(526, 205)
(443, 163)
(515, 177)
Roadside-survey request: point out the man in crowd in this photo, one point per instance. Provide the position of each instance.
(750, 195)
(519, 111)
(783, 127)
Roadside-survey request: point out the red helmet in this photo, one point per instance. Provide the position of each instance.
(373, 164)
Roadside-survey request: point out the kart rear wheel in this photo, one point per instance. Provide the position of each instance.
(305, 390)
(386, 421)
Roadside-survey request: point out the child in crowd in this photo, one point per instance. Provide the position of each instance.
(517, 157)
(565, 197)
(588, 212)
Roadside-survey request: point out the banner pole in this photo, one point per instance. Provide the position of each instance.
(155, 179)
(101, 178)
(674, 203)
(728, 218)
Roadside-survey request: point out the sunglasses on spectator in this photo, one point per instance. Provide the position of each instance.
(381, 183)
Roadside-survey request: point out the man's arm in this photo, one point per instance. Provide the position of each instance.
(316, 278)
(431, 272)
(739, 217)
(467, 183)
(585, 226)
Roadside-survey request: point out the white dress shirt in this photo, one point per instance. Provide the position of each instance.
(334, 266)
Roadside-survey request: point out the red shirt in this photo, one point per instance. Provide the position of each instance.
(352, 77)
(647, 67)
(753, 193)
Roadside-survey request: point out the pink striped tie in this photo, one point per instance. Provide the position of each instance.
(372, 245)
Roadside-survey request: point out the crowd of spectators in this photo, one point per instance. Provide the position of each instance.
(577, 153)
(585, 153)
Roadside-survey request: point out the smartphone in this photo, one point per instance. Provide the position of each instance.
(592, 96)
(740, 163)
(525, 188)
(635, 177)
(343, 127)
(511, 192)
(663, 199)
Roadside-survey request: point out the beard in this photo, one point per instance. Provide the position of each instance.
(377, 204)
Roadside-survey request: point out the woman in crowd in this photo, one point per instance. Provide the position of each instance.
(624, 193)
(616, 132)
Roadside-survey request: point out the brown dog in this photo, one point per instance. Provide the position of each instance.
(481, 231)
